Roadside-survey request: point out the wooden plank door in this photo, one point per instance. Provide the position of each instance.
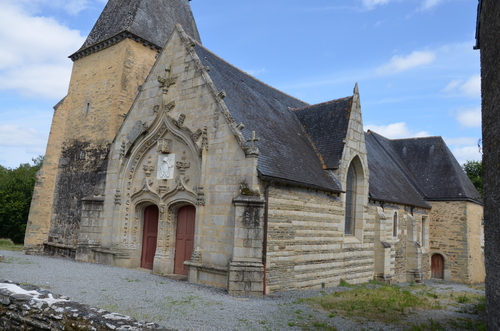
(184, 238)
(437, 266)
(149, 237)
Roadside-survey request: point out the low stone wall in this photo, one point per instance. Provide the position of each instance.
(29, 308)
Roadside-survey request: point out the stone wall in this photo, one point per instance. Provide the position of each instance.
(402, 257)
(82, 171)
(306, 243)
(455, 233)
(29, 308)
(102, 88)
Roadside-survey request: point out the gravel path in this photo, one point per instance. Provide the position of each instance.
(176, 304)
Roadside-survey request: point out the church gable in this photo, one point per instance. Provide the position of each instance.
(326, 125)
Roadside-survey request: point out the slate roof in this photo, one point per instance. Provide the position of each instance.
(326, 125)
(286, 152)
(435, 169)
(151, 20)
(403, 169)
(389, 180)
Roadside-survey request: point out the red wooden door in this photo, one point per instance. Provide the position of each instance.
(184, 238)
(149, 237)
(437, 266)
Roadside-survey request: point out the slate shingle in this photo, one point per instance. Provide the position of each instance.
(401, 169)
(326, 124)
(152, 20)
(286, 153)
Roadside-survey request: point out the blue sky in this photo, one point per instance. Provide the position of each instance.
(413, 60)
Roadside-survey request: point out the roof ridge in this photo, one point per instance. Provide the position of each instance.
(323, 103)
(247, 74)
(396, 139)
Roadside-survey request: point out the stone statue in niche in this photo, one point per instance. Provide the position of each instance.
(166, 165)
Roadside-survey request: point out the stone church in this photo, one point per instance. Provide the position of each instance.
(164, 156)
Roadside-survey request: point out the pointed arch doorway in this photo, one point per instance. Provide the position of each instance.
(149, 236)
(184, 238)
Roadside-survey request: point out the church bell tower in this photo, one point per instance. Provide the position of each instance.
(107, 74)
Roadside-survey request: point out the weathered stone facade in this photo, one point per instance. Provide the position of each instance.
(245, 190)
(101, 91)
(455, 233)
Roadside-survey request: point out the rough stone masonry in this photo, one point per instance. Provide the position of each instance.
(29, 308)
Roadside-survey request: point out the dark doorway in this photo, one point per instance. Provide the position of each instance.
(184, 238)
(437, 266)
(149, 236)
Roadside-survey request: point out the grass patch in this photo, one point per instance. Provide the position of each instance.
(468, 324)
(8, 245)
(385, 303)
(431, 326)
(343, 283)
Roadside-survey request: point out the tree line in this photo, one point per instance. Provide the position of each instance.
(16, 191)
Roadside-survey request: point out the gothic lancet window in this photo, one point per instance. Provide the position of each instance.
(395, 225)
(350, 201)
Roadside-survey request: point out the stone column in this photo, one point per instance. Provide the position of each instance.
(164, 256)
(246, 270)
(413, 253)
(382, 248)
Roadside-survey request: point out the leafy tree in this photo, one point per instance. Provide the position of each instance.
(16, 190)
(474, 170)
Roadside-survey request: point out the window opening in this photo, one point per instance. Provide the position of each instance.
(350, 201)
(395, 225)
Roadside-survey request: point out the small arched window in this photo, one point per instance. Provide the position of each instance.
(395, 225)
(350, 201)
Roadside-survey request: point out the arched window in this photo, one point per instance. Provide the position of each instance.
(395, 225)
(350, 201)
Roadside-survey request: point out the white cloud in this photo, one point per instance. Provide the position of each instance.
(72, 7)
(370, 4)
(14, 135)
(472, 87)
(429, 4)
(453, 86)
(396, 131)
(461, 141)
(400, 63)
(469, 117)
(33, 58)
(467, 153)
(464, 148)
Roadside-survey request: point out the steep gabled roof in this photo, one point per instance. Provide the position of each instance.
(326, 125)
(389, 181)
(286, 153)
(147, 21)
(435, 169)
(402, 168)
